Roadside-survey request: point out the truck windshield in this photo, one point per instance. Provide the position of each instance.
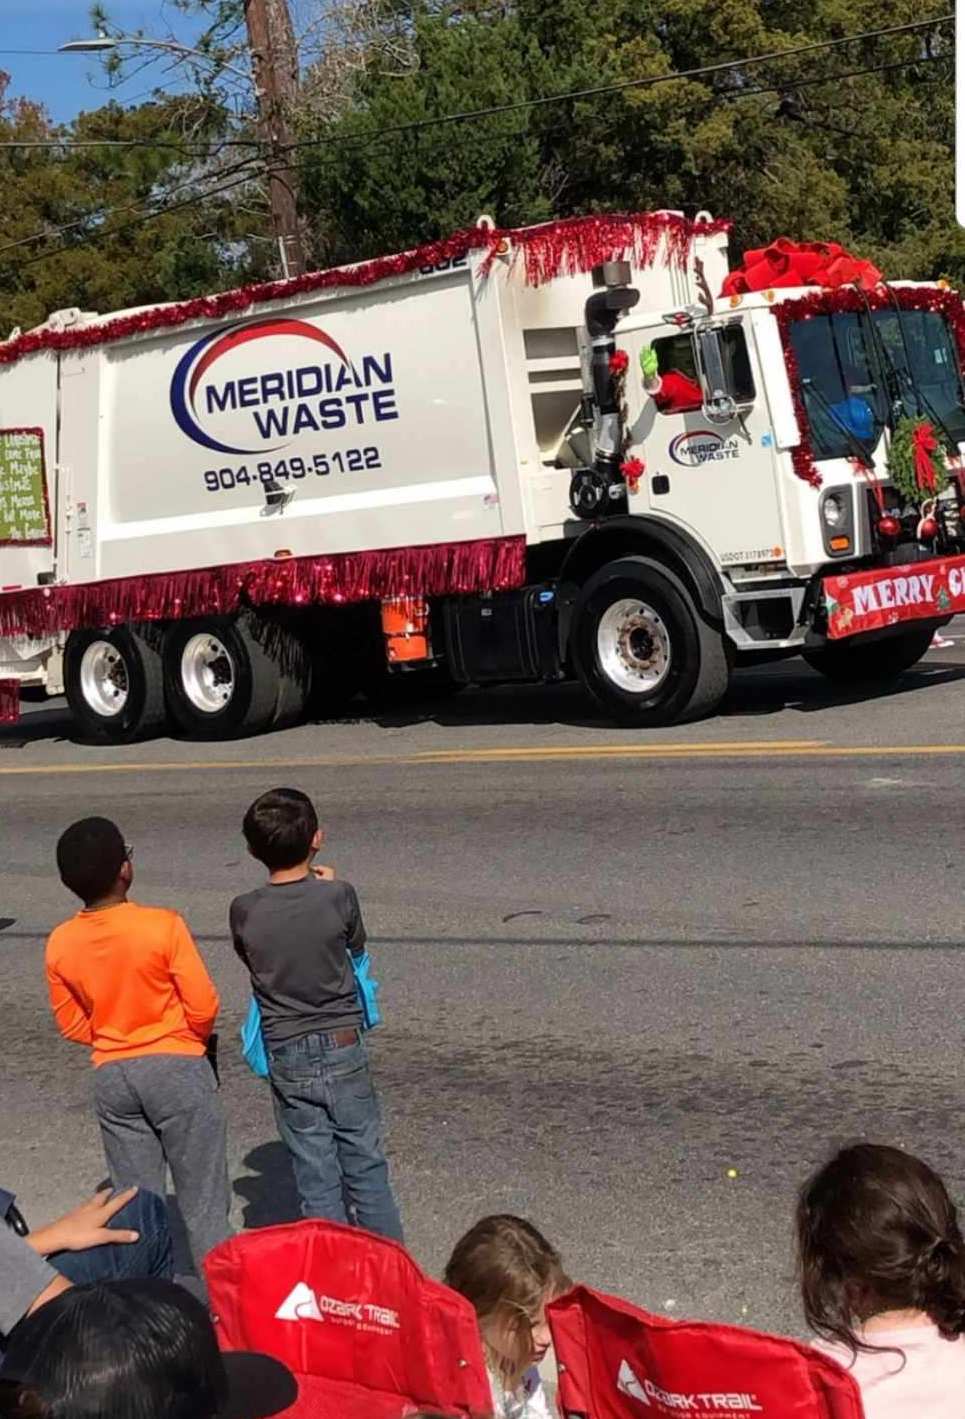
(855, 379)
(919, 345)
(842, 396)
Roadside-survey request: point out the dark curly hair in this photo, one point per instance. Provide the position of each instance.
(877, 1231)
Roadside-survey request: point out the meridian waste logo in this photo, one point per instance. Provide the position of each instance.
(219, 401)
(698, 446)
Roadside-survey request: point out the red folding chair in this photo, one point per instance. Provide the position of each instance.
(619, 1362)
(367, 1334)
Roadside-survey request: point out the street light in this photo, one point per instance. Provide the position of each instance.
(103, 44)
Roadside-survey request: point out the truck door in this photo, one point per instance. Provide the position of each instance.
(716, 479)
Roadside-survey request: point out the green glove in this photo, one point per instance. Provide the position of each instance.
(648, 363)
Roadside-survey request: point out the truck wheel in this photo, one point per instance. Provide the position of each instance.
(882, 660)
(114, 683)
(641, 648)
(222, 682)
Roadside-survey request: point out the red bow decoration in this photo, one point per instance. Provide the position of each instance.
(633, 470)
(619, 361)
(804, 263)
(924, 444)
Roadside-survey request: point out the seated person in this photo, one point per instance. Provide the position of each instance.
(133, 1348)
(673, 391)
(112, 1235)
(510, 1273)
(882, 1269)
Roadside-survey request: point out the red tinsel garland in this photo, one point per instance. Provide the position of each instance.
(9, 701)
(453, 568)
(847, 299)
(554, 249)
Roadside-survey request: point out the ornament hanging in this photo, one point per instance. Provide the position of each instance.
(633, 470)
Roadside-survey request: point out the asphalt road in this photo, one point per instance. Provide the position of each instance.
(614, 966)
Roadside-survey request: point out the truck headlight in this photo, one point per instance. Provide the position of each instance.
(837, 521)
(833, 510)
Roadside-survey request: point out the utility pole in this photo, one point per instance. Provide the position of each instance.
(275, 65)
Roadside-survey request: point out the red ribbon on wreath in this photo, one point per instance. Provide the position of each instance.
(924, 444)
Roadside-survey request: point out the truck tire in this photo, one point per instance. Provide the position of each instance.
(114, 683)
(880, 661)
(295, 674)
(222, 675)
(641, 649)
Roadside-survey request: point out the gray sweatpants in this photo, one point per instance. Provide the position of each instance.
(163, 1110)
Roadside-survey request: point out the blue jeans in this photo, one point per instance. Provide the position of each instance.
(151, 1255)
(328, 1116)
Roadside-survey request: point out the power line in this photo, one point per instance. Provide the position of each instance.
(724, 66)
(728, 95)
(373, 138)
(497, 109)
(71, 143)
(135, 222)
(103, 212)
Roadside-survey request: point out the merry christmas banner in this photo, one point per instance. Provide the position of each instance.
(869, 601)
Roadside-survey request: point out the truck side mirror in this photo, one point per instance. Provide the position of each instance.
(724, 399)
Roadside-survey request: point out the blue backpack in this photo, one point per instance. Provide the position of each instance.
(253, 1042)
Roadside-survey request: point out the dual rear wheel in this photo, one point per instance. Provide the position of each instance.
(216, 677)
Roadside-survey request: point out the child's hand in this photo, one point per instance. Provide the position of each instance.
(324, 874)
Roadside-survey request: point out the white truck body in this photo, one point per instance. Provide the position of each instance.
(436, 377)
(434, 407)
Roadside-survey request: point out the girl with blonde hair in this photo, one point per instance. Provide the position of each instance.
(509, 1272)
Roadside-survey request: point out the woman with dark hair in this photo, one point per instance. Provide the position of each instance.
(133, 1350)
(881, 1263)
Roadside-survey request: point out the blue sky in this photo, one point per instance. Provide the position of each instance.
(69, 83)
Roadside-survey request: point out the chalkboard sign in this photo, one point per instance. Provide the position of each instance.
(24, 521)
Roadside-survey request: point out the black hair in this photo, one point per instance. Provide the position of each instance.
(279, 828)
(877, 1231)
(90, 855)
(120, 1350)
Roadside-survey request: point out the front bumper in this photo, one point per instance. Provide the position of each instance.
(880, 598)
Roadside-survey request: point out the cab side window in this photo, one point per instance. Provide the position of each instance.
(680, 391)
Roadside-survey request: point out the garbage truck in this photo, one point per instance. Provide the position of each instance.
(586, 449)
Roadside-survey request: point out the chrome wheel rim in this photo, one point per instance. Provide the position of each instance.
(104, 682)
(207, 673)
(633, 645)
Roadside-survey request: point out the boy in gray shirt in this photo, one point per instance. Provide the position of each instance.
(296, 935)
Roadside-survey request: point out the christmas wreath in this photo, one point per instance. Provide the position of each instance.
(916, 460)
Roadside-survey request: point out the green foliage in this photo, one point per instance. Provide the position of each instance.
(867, 161)
(87, 206)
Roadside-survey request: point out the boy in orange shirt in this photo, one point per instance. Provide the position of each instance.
(128, 981)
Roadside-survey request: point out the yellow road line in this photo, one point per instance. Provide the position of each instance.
(764, 749)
